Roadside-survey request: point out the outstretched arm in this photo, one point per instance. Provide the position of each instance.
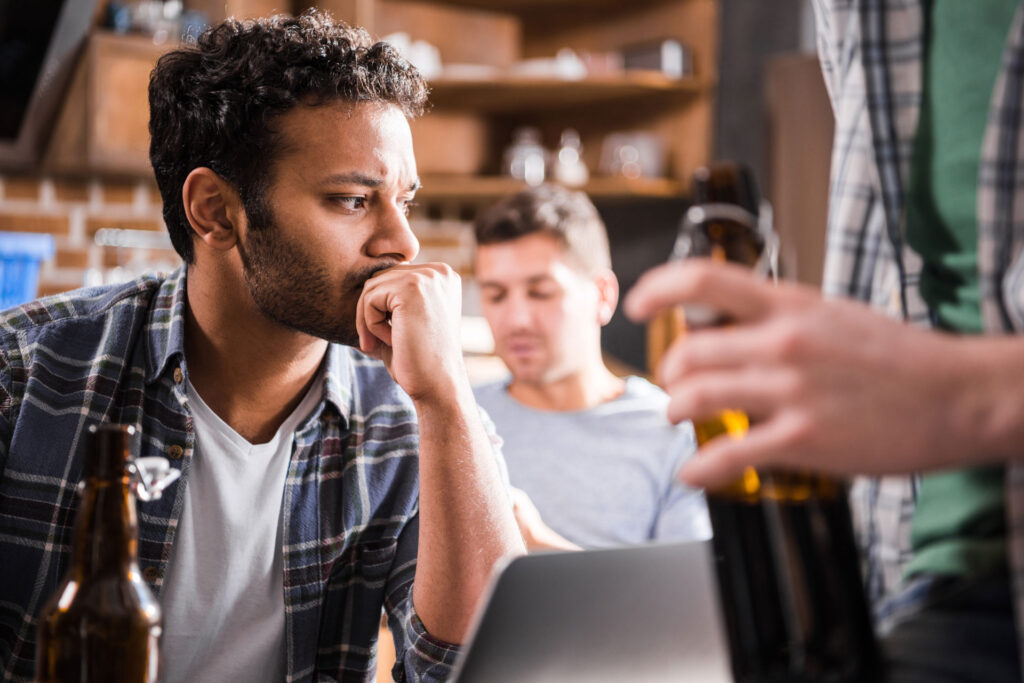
(830, 385)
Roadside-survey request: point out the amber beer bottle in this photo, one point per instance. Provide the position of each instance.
(785, 555)
(102, 623)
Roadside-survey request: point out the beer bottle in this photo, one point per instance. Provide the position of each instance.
(102, 623)
(785, 556)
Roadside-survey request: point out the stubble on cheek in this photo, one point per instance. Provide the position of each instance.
(293, 285)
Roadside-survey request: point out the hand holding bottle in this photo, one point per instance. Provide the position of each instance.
(785, 555)
(829, 385)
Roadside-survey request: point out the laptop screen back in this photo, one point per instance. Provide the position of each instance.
(641, 613)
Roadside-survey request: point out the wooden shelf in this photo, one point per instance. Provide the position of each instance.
(517, 6)
(104, 121)
(458, 187)
(520, 94)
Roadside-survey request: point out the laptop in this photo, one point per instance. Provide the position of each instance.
(633, 614)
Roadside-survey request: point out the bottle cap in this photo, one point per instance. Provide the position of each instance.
(110, 448)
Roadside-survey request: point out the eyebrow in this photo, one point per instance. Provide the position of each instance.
(364, 180)
(533, 280)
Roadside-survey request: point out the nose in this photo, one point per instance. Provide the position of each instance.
(517, 311)
(393, 237)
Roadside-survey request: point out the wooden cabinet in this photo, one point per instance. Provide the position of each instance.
(103, 125)
(460, 142)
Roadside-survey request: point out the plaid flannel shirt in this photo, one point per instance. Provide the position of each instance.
(349, 510)
(871, 53)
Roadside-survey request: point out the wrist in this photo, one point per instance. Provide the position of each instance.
(989, 410)
(454, 395)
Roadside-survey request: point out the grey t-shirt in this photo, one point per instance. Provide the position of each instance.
(605, 476)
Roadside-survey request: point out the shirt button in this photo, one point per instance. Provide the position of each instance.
(151, 574)
(178, 376)
(174, 452)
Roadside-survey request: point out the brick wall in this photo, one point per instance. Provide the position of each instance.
(73, 210)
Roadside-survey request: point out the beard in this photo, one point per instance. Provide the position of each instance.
(292, 287)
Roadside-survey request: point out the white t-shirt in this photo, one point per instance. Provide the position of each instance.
(223, 595)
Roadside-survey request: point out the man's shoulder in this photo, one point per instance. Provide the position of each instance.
(642, 407)
(497, 387)
(493, 397)
(643, 389)
(77, 327)
(80, 305)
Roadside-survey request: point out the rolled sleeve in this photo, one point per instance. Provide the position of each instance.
(424, 658)
(419, 656)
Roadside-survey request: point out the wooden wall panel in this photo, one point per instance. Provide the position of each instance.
(353, 12)
(800, 149)
(599, 29)
(450, 142)
(119, 102)
(219, 10)
(464, 36)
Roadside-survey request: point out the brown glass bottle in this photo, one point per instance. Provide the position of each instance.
(785, 554)
(102, 623)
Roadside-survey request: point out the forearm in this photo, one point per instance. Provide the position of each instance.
(466, 521)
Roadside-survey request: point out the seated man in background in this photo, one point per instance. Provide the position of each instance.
(591, 455)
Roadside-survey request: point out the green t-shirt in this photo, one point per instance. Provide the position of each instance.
(959, 525)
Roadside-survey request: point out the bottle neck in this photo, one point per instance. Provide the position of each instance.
(106, 530)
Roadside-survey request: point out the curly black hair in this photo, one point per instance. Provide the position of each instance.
(213, 104)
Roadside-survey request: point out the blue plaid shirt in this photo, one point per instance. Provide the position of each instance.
(872, 58)
(349, 509)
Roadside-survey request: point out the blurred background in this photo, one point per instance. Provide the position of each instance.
(621, 99)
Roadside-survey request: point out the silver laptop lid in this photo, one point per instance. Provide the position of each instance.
(641, 613)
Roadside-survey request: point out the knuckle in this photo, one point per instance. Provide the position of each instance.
(701, 277)
(679, 407)
(697, 399)
(675, 363)
(786, 343)
(793, 386)
(799, 429)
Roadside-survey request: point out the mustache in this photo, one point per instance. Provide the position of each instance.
(356, 280)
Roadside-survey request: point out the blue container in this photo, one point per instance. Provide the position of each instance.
(20, 256)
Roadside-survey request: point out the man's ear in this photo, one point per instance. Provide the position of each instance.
(607, 295)
(213, 208)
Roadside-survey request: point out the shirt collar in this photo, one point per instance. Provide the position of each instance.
(165, 329)
(165, 332)
(338, 379)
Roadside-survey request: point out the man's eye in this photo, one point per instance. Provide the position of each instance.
(351, 202)
(541, 294)
(407, 206)
(493, 298)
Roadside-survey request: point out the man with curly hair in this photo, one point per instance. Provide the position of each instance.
(303, 376)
